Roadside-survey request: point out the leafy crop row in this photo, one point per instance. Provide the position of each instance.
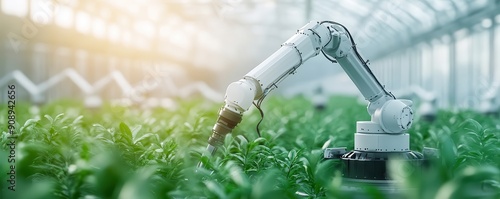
(67, 151)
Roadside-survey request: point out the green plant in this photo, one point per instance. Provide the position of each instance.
(68, 151)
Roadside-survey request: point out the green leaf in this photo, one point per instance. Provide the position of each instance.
(126, 132)
(471, 124)
(59, 117)
(260, 140)
(29, 123)
(51, 120)
(292, 155)
(216, 189)
(77, 120)
(143, 137)
(238, 177)
(136, 130)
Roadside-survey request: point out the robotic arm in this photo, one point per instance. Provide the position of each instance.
(390, 117)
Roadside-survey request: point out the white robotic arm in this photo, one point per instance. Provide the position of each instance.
(306, 43)
(390, 117)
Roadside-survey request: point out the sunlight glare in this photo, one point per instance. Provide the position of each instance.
(15, 7)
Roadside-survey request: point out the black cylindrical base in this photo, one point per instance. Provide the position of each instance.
(373, 165)
(370, 169)
(359, 189)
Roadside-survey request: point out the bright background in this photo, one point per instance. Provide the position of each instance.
(152, 49)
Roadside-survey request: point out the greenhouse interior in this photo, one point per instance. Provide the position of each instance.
(250, 99)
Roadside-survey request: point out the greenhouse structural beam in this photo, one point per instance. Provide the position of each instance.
(466, 21)
(492, 49)
(453, 71)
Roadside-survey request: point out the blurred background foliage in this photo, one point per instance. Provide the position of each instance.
(67, 151)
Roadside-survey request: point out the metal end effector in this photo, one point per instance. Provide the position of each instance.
(225, 124)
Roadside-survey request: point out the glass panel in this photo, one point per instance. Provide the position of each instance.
(416, 11)
(143, 43)
(361, 7)
(114, 33)
(145, 28)
(60, 59)
(480, 65)
(463, 71)
(377, 68)
(441, 75)
(64, 17)
(497, 53)
(42, 11)
(81, 63)
(444, 6)
(82, 20)
(415, 67)
(405, 70)
(396, 72)
(461, 5)
(383, 71)
(427, 70)
(99, 28)
(387, 72)
(477, 3)
(40, 63)
(408, 16)
(96, 69)
(15, 7)
(126, 37)
(426, 11)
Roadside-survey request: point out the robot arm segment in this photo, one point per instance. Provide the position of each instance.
(306, 43)
(388, 115)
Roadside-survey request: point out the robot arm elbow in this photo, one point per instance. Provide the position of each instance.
(240, 95)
